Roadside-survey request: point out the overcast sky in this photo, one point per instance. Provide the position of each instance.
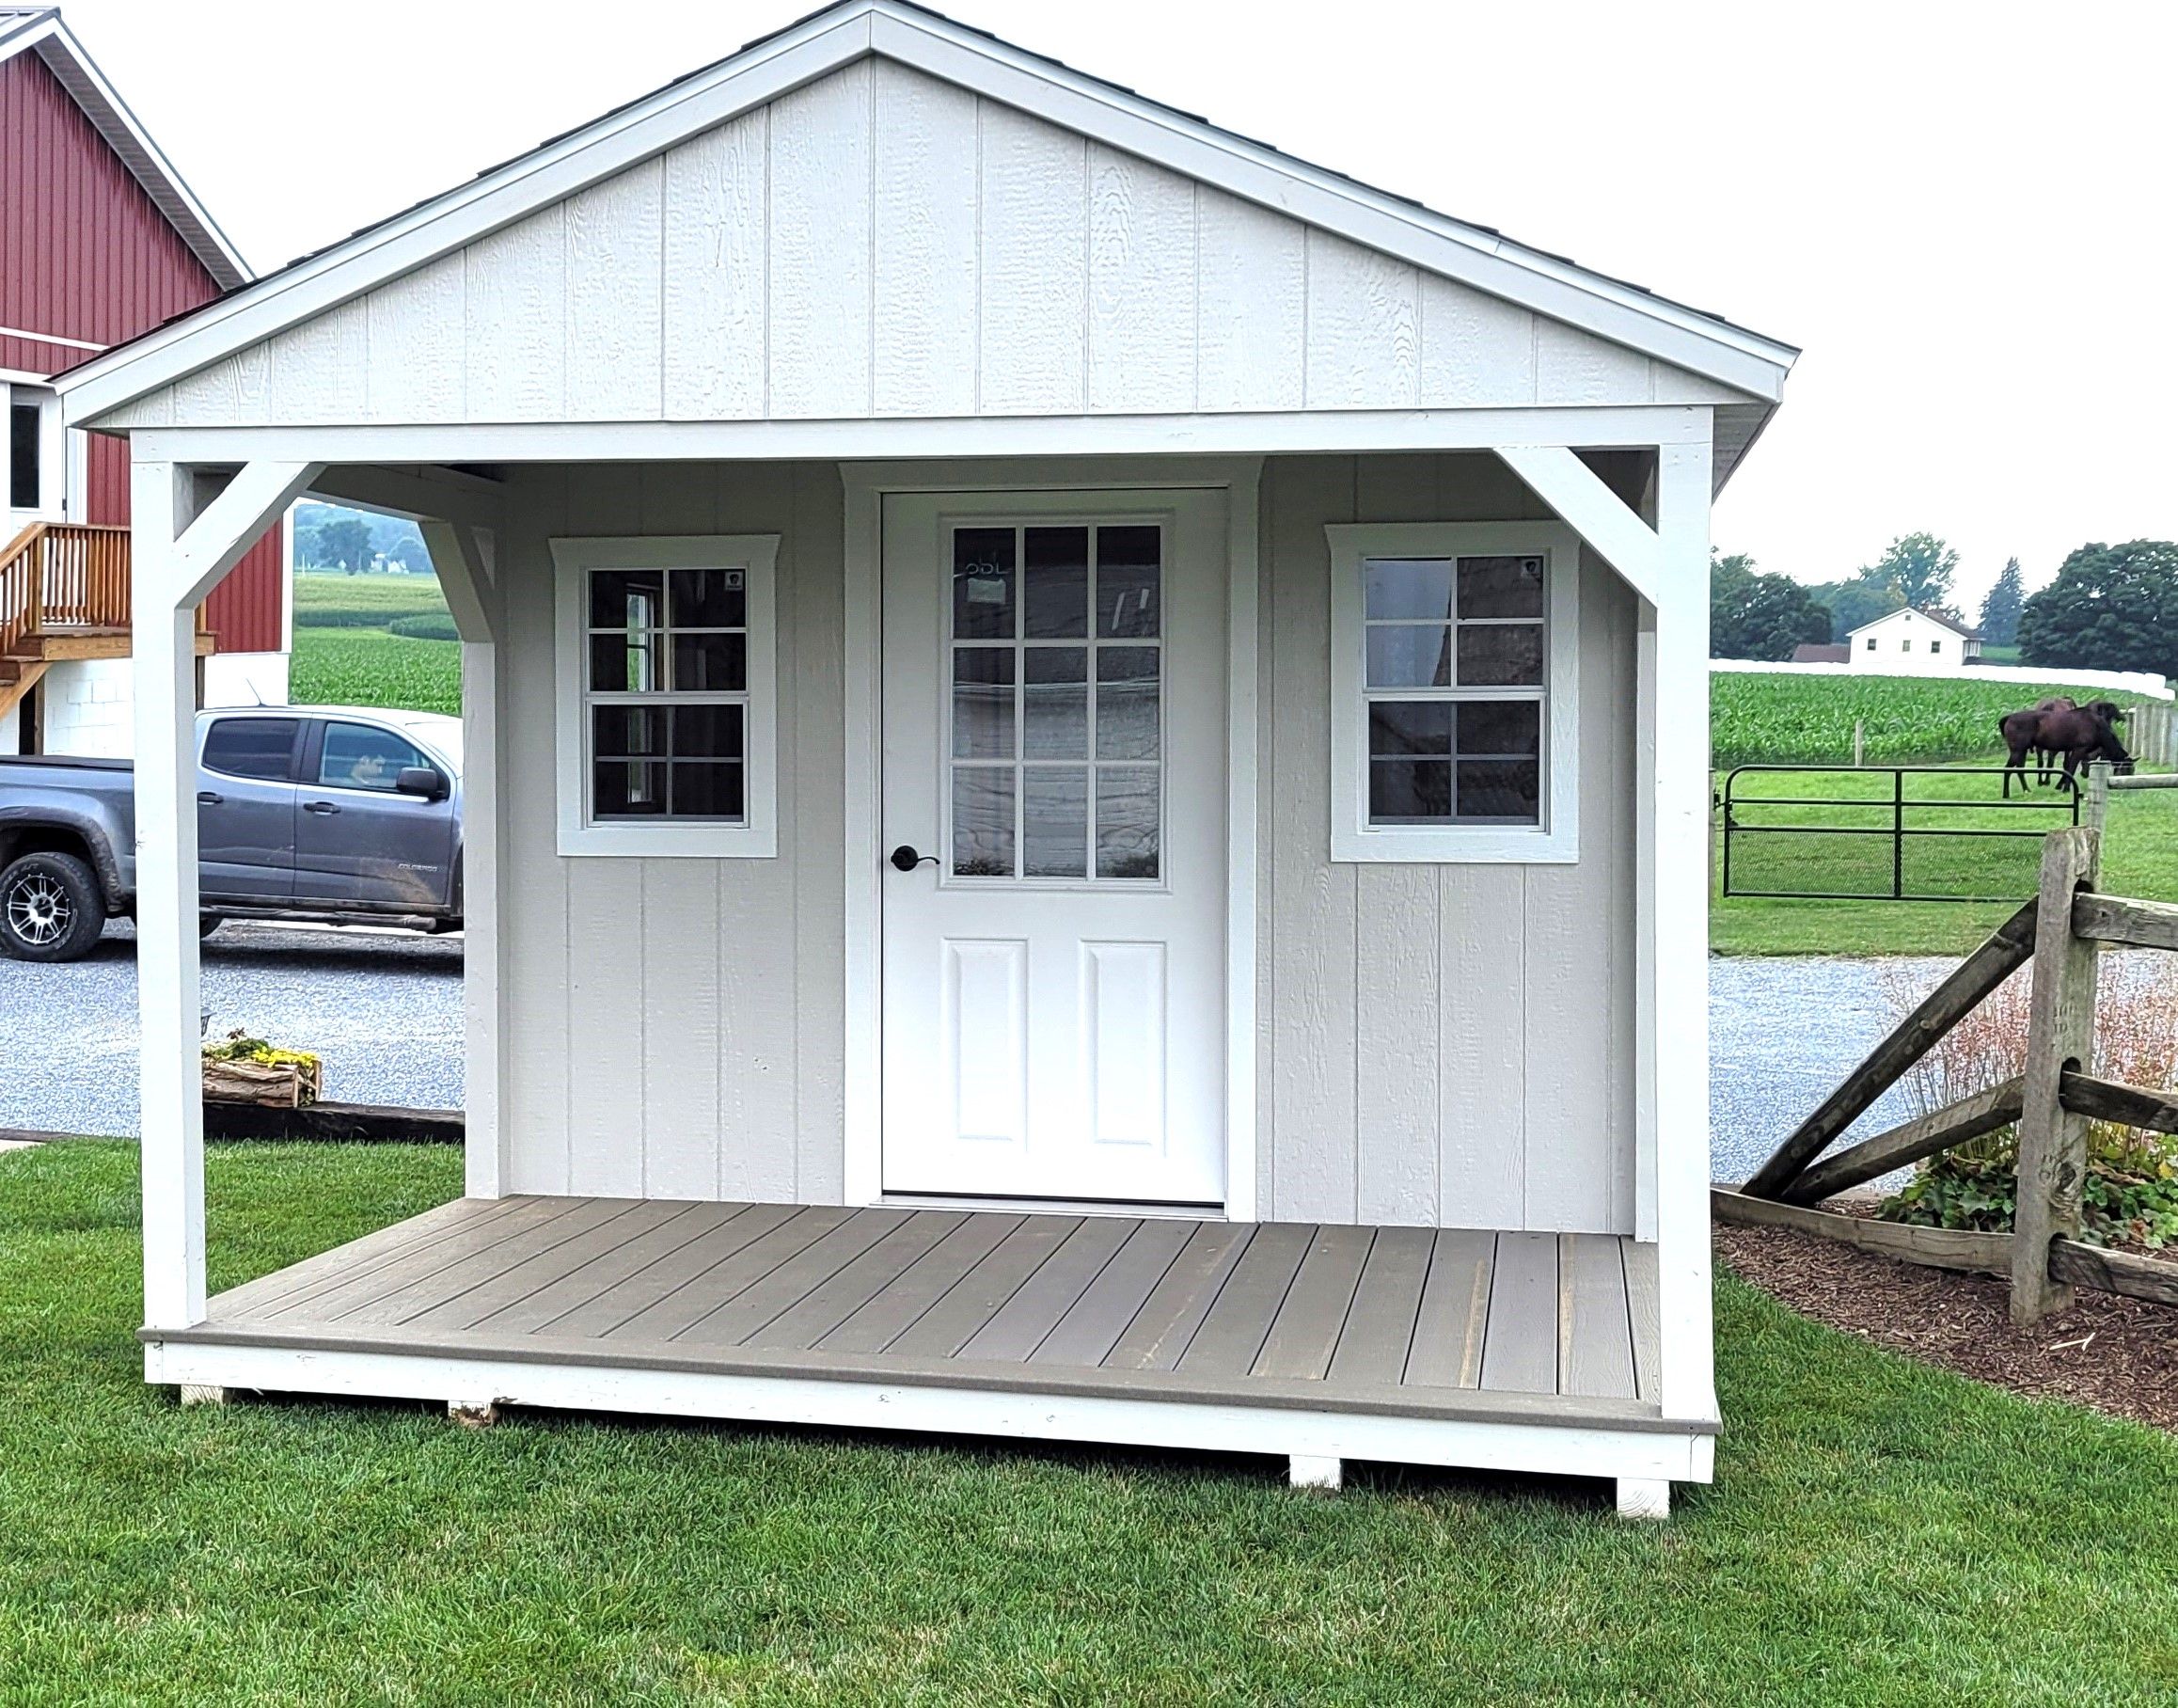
(1964, 214)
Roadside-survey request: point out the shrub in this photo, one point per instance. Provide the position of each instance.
(2131, 1193)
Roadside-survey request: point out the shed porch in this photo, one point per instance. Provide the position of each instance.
(1518, 1352)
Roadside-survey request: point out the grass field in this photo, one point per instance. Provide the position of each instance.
(347, 654)
(2140, 858)
(1879, 1532)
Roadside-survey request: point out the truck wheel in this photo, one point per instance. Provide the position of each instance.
(207, 923)
(50, 908)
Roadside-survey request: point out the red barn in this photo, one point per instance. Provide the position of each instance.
(100, 240)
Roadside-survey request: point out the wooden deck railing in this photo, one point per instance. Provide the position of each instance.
(62, 575)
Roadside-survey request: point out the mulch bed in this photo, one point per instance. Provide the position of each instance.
(2115, 1354)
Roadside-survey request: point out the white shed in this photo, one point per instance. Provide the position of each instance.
(1086, 777)
(1913, 642)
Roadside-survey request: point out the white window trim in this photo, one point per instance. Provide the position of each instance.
(758, 837)
(1556, 840)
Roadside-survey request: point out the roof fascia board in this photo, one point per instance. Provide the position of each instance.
(826, 43)
(78, 73)
(1136, 125)
(467, 213)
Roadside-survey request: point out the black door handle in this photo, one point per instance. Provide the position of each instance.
(206, 798)
(905, 858)
(325, 809)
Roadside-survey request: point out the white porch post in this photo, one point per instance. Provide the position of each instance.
(171, 1080)
(462, 556)
(174, 563)
(1678, 924)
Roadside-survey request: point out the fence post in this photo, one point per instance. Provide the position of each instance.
(2098, 793)
(2060, 1032)
(1859, 742)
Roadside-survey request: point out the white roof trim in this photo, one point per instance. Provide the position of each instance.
(830, 39)
(79, 74)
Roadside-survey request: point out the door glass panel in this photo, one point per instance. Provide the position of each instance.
(1057, 661)
(1130, 570)
(1055, 821)
(983, 703)
(1127, 708)
(1127, 821)
(1056, 569)
(982, 821)
(983, 584)
(1055, 703)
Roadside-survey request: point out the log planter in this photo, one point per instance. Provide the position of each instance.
(292, 1082)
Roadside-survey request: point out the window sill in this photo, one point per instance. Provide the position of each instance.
(667, 842)
(1474, 847)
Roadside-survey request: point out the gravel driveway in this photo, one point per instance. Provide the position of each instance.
(382, 1007)
(1783, 1030)
(385, 1009)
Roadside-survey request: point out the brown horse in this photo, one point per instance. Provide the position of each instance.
(2081, 733)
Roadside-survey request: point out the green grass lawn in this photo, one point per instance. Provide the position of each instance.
(1879, 1532)
(345, 655)
(2140, 858)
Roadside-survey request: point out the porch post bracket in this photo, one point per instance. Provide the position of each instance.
(1596, 513)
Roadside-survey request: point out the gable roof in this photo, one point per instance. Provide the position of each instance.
(826, 41)
(41, 31)
(1936, 617)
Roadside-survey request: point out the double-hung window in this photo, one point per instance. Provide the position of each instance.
(668, 696)
(1455, 719)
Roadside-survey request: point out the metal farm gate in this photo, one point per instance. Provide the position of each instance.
(1932, 833)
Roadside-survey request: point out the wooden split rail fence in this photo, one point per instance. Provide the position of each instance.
(2062, 931)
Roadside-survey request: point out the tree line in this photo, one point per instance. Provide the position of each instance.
(2109, 608)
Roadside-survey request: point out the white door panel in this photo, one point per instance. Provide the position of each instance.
(1054, 754)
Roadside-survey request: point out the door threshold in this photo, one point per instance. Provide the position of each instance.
(1053, 1206)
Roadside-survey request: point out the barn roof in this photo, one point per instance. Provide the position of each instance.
(1550, 285)
(41, 30)
(1938, 617)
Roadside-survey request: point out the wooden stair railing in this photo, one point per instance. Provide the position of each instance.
(61, 576)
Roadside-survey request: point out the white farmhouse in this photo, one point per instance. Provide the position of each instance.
(1086, 788)
(1914, 642)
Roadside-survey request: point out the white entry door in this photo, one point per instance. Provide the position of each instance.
(1054, 956)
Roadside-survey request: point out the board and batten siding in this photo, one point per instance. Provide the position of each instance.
(883, 244)
(1446, 1045)
(1439, 1044)
(676, 1028)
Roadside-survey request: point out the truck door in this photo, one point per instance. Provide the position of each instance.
(245, 808)
(358, 839)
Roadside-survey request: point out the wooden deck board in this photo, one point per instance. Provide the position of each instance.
(1519, 1344)
(882, 1321)
(1092, 1327)
(1380, 1330)
(1595, 1335)
(1305, 1331)
(1448, 1329)
(1174, 1305)
(1234, 1328)
(955, 1318)
(1020, 1325)
(579, 1287)
(1179, 1302)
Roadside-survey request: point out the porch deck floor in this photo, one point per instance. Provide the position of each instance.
(1408, 1321)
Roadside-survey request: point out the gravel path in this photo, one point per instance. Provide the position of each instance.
(1783, 1032)
(385, 1009)
(382, 1007)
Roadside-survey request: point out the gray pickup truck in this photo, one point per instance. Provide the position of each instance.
(306, 812)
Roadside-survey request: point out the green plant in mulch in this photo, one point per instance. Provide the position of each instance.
(2130, 1199)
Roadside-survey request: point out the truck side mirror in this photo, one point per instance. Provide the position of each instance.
(422, 779)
